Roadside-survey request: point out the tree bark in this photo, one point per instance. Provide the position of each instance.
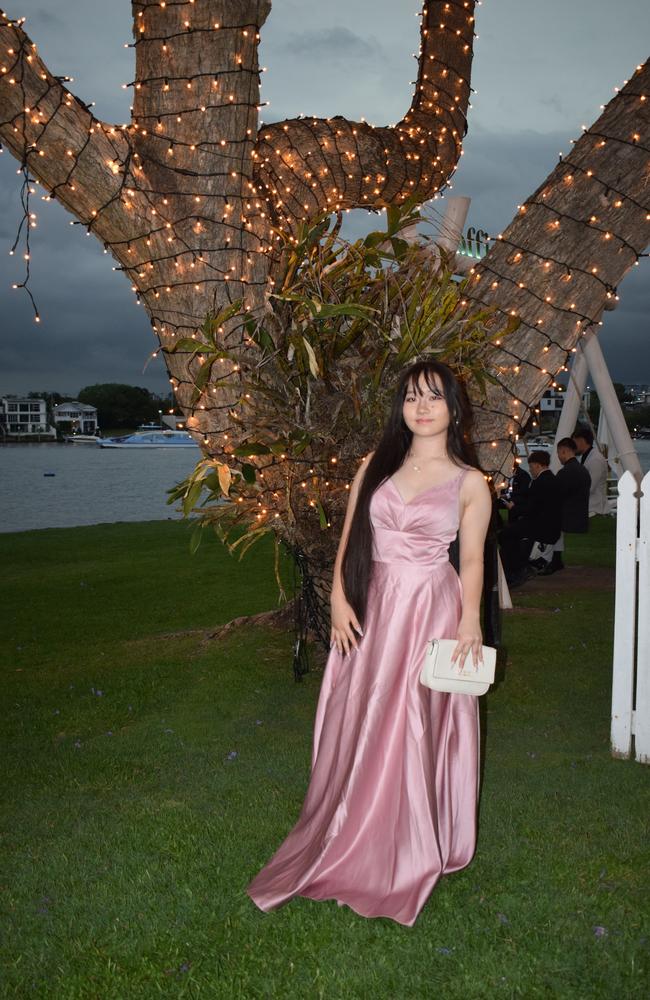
(309, 165)
(185, 196)
(560, 260)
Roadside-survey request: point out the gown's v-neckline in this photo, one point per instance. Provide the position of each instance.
(436, 486)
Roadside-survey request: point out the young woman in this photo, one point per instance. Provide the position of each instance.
(391, 803)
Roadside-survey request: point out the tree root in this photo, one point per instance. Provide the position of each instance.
(280, 618)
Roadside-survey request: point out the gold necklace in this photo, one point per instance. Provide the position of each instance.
(418, 468)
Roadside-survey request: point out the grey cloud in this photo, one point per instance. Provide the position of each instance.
(45, 18)
(105, 340)
(501, 171)
(91, 328)
(553, 102)
(331, 43)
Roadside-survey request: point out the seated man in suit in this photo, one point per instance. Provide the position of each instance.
(596, 465)
(574, 484)
(540, 523)
(517, 504)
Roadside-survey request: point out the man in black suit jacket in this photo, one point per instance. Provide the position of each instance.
(573, 484)
(540, 523)
(517, 505)
(544, 500)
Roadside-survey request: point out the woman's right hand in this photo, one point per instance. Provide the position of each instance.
(344, 622)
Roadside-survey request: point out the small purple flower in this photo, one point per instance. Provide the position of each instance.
(258, 722)
(185, 967)
(110, 732)
(502, 918)
(600, 932)
(444, 951)
(232, 755)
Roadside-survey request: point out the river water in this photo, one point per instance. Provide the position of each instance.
(93, 485)
(90, 485)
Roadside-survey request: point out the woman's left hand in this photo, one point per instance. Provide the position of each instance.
(468, 640)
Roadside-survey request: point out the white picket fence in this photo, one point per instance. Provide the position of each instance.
(631, 680)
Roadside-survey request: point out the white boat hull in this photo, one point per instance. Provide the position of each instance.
(174, 447)
(151, 439)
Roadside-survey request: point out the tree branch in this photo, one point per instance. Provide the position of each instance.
(310, 165)
(79, 159)
(560, 260)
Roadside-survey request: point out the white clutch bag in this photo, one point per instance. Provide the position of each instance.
(440, 674)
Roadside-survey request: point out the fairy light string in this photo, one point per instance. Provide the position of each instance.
(164, 144)
(192, 192)
(550, 297)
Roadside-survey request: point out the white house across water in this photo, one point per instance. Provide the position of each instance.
(24, 418)
(82, 416)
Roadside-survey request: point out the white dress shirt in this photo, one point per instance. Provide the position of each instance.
(596, 465)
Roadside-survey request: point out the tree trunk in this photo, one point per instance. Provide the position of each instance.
(186, 198)
(186, 195)
(560, 261)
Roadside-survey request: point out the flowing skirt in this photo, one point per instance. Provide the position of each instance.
(392, 799)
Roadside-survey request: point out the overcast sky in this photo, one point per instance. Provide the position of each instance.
(541, 70)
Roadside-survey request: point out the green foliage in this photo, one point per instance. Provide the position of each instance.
(208, 349)
(639, 416)
(120, 405)
(319, 370)
(621, 392)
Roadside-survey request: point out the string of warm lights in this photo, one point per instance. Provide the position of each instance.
(27, 222)
(191, 198)
(167, 40)
(547, 300)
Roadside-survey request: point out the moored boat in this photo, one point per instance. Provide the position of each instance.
(151, 439)
(82, 439)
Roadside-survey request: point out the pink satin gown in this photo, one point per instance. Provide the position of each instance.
(392, 798)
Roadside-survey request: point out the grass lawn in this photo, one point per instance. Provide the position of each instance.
(149, 774)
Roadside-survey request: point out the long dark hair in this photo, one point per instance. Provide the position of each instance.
(387, 459)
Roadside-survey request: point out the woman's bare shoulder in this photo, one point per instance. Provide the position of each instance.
(474, 482)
